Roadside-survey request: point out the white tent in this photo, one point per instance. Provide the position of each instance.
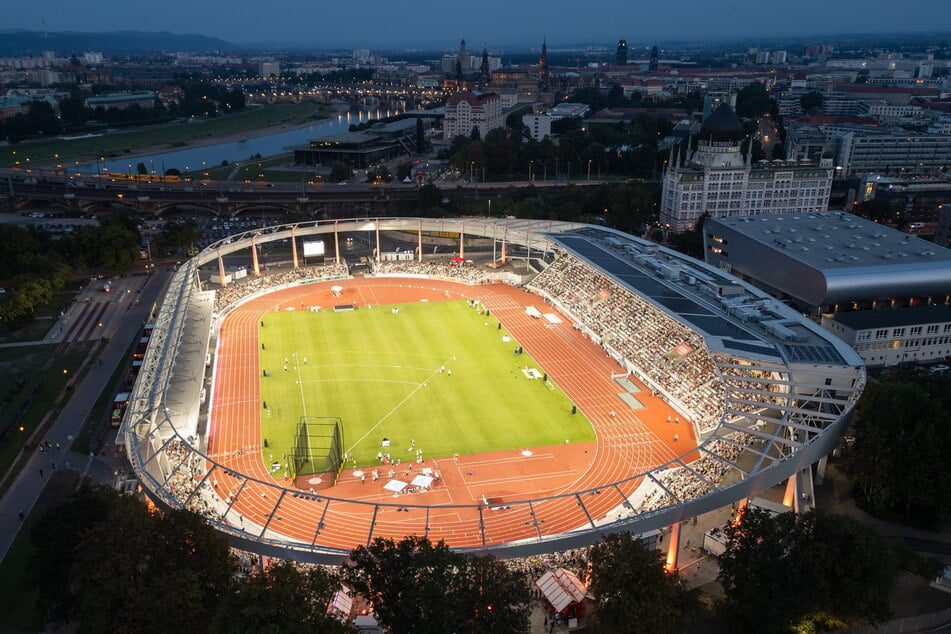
(561, 588)
(395, 486)
(422, 481)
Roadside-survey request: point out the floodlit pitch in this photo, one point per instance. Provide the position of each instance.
(439, 377)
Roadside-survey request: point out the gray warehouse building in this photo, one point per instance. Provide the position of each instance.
(830, 261)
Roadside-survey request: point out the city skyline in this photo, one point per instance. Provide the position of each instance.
(373, 24)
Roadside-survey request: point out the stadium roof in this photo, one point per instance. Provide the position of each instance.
(734, 318)
(869, 319)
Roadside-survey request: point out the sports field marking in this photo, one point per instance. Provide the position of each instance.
(348, 366)
(373, 380)
(400, 404)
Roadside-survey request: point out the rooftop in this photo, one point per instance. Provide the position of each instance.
(733, 318)
(837, 240)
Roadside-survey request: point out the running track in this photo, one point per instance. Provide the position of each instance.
(628, 443)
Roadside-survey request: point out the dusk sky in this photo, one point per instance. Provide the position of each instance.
(369, 23)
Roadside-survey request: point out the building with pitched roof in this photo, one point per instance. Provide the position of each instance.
(470, 110)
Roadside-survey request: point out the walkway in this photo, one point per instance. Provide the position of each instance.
(119, 330)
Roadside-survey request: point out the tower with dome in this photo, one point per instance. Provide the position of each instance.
(714, 176)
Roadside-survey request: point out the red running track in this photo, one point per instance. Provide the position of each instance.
(629, 442)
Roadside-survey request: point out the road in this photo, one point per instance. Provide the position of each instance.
(28, 484)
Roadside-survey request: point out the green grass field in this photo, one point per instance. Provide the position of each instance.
(380, 373)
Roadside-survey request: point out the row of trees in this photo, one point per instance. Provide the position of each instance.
(898, 460)
(104, 562)
(622, 149)
(597, 99)
(41, 119)
(813, 572)
(37, 265)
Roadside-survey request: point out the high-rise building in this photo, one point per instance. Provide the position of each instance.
(652, 65)
(620, 57)
(717, 179)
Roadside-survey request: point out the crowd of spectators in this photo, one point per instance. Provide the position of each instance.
(432, 268)
(184, 469)
(238, 290)
(747, 383)
(667, 352)
(186, 473)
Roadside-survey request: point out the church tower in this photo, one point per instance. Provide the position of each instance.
(464, 56)
(620, 58)
(484, 67)
(652, 65)
(543, 64)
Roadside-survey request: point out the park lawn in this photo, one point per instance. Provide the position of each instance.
(65, 152)
(29, 362)
(380, 373)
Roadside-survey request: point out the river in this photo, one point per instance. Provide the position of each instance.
(199, 158)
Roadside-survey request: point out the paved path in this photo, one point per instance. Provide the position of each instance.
(119, 330)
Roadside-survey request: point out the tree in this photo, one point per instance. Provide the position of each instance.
(125, 561)
(339, 171)
(73, 110)
(419, 587)
(811, 100)
(898, 461)
(179, 234)
(403, 170)
(112, 245)
(56, 537)
(141, 169)
(475, 135)
(112, 557)
(752, 101)
(694, 101)
(282, 598)
(792, 571)
(632, 591)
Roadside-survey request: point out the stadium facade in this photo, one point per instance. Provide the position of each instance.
(770, 392)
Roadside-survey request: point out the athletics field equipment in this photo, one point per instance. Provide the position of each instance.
(774, 400)
(318, 447)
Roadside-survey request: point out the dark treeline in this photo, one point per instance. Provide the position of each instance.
(103, 562)
(199, 99)
(34, 265)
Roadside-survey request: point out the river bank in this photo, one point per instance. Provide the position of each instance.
(143, 142)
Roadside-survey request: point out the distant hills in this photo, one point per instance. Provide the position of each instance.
(22, 43)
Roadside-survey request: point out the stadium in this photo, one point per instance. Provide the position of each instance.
(682, 390)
